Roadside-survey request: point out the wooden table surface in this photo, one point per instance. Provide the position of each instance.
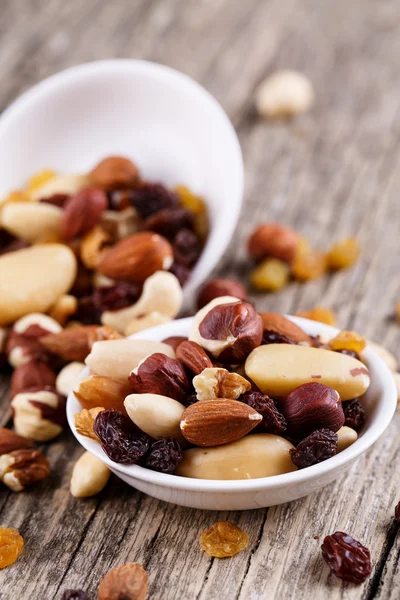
(331, 173)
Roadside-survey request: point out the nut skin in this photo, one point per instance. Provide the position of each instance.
(22, 468)
(72, 344)
(82, 212)
(220, 383)
(9, 441)
(237, 325)
(312, 406)
(275, 240)
(96, 390)
(137, 257)
(175, 340)
(193, 356)
(31, 374)
(220, 287)
(23, 342)
(218, 421)
(39, 413)
(127, 582)
(161, 375)
(115, 172)
(282, 325)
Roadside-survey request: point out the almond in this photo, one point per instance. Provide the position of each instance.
(71, 344)
(137, 257)
(10, 441)
(280, 324)
(193, 356)
(95, 390)
(82, 212)
(217, 422)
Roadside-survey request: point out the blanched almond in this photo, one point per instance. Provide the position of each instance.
(156, 415)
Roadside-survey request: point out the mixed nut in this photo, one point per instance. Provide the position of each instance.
(246, 395)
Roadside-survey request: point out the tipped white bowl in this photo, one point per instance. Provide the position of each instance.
(380, 403)
(170, 126)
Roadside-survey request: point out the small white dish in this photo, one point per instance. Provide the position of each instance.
(380, 402)
(170, 126)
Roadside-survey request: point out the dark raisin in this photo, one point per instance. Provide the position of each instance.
(56, 200)
(87, 312)
(347, 558)
(192, 399)
(273, 421)
(397, 512)
(169, 221)
(121, 440)
(164, 456)
(74, 595)
(181, 273)
(117, 296)
(354, 413)
(9, 243)
(120, 199)
(349, 353)
(151, 198)
(187, 248)
(6, 239)
(273, 337)
(315, 448)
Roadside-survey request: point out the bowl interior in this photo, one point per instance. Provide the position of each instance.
(164, 121)
(380, 402)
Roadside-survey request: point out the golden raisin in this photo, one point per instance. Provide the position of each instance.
(348, 340)
(189, 200)
(11, 544)
(270, 275)
(308, 265)
(15, 196)
(223, 539)
(319, 313)
(39, 179)
(343, 254)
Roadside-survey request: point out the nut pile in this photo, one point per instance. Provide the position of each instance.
(281, 253)
(247, 395)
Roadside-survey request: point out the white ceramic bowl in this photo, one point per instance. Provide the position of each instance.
(380, 402)
(169, 125)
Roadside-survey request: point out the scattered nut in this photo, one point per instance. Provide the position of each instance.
(65, 306)
(89, 476)
(158, 416)
(67, 377)
(227, 328)
(284, 94)
(193, 356)
(23, 343)
(97, 390)
(22, 468)
(9, 441)
(141, 323)
(218, 421)
(273, 240)
(84, 422)
(38, 414)
(220, 383)
(215, 288)
(31, 374)
(346, 437)
(115, 172)
(32, 221)
(128, 582)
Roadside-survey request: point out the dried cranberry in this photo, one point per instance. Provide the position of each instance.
(349, 353)
(315, 448)
(56, 200)
(74, 595)
(273, 337)
(117, 296)
(151, 198)
(354, 413)
(273, 421)
(169, 222)
(192, 399)
(164, 456)
(120, 199)
(347, 558)
(121, 440)
(87, 312)
(181, 273)
(397, 512)
(187, 248)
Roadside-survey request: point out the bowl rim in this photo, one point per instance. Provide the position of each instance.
(387, 407)
(166, 75)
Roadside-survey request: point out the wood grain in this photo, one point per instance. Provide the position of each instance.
(331, 173)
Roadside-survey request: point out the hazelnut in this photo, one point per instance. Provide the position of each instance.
(175, 340)
(228, 328)
(215, 288)
(23, 343)
(115, 172)
(273, 240)
(38, 414)
(31, 374)
(128, 581)
(159, 374)
(312, 406)
(22, 468)
(220, 383)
